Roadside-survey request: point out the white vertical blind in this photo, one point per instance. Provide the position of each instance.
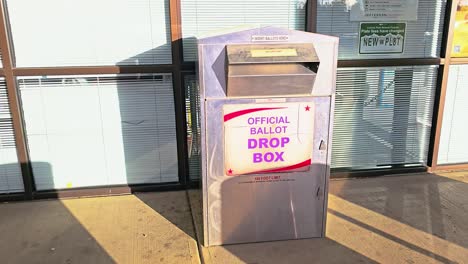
(423, 36)
(453, 147)
(202, 16)
(100, 130)
(383, 116)
(90, 32)
(11, 180)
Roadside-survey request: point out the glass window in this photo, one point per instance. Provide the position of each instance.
(52, 33)
(100, 130)
(11, 180)
(383, 116)
(454, 140)
(422, 38)
(203, 16)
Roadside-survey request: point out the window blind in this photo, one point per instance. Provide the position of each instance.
(11, 180)
(383, 116)
(192, 109)
(100, 130)
(202, 16)
(423, 36)
(453, 141)
(90, 32)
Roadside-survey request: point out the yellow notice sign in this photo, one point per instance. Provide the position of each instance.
(264, 53)
(460, 34)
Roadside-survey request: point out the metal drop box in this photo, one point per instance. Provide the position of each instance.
(286, 68)
(266, 98)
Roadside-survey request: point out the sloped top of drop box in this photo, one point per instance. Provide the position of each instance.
(268, 34)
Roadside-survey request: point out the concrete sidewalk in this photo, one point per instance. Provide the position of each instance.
(398, 219)
(142, 228)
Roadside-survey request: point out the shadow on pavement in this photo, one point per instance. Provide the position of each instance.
(410, 219)
(416, 218)
(46, 232)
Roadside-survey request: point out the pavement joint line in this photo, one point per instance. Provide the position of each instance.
(199, 246)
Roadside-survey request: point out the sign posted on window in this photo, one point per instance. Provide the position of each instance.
(382, 38)
(384, 10)
(268, 138)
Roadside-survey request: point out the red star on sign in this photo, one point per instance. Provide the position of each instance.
(229, 171)
(307, 108)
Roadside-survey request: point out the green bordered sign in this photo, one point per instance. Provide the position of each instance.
(382, 38)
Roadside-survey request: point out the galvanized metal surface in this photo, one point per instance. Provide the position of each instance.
(238, 209)
(212, 58)
(269, 80)
(274, 53)
(242, 210)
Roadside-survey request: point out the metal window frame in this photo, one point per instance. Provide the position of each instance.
(178, 69)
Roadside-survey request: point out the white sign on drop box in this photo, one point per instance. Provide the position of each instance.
(268, 138)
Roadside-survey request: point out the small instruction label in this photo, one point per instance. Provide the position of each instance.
(267, 38)
(265, 53)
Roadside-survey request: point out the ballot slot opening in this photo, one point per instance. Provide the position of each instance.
(270, 69)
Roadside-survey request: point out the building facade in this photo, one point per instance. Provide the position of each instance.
(101, 97)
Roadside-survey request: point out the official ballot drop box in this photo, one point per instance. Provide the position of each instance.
(267, 97)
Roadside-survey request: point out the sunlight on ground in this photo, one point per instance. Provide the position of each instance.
(125, 224)
(138, 230)
(385, 240)
(461, 176)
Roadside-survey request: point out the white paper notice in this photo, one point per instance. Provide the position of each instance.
(384, 10)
